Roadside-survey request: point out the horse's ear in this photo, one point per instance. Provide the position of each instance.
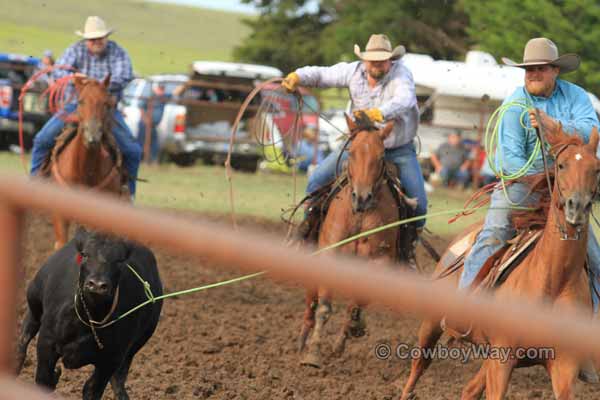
(593, 143)
(557, 136)
(106, 81)
(350, 122)
(387, 129)
(79, 82)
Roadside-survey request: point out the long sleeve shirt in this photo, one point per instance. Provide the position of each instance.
(394, 95)
(569, 104)
(114, 61)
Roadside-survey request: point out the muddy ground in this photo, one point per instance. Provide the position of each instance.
(239, 342)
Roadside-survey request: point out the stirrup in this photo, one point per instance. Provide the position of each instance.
(455, 332)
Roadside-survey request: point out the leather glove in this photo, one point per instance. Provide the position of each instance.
(291, 82)
(374, 114)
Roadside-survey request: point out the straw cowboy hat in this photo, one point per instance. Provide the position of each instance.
(542, 51)
(94, 28)
(379, 48)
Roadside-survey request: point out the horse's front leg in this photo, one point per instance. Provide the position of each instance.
(312, 357)
(355, 326)
(563, 372)
(311, 300)
(497, 377)
(61, 230)
(476, 386)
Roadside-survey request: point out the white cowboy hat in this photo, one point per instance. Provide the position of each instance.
(542, 51)
(379, 48)
(94, 28)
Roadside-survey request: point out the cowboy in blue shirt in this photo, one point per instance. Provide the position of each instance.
(557, 101)
(94, 57)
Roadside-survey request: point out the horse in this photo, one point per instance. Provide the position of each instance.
(364, 203)
(90, 158)
(553, 271)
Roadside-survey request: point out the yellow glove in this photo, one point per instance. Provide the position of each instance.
(374, 114)
(290, 83)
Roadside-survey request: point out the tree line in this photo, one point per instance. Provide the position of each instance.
(289, 34)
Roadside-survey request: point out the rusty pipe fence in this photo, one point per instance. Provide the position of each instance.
(534, 324)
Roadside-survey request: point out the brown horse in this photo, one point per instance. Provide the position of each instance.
(366, 202)
(554, 271)
(86, 159)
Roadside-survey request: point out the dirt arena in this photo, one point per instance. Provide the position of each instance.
(239, 342)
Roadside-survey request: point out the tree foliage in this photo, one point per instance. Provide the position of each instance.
(288, 36)
(503, 28)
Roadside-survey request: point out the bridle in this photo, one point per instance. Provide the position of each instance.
(564, 235)
(382, 170)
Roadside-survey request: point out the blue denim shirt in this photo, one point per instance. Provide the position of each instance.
(568, 104)
(394, 95)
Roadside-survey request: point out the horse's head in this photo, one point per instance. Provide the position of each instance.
(577, 173)
(94, 107)
(366, 165)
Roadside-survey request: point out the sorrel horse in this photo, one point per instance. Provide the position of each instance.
(366, 202)
(554, 271)
(85, 160)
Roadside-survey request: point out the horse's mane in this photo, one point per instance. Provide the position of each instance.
(567, 140)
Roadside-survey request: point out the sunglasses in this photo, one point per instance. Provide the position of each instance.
(539, 68)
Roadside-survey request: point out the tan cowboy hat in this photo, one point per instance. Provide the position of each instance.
(94, 28)
(379, 48)
(542, 51)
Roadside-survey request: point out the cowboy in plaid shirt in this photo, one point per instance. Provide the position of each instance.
(94, 57)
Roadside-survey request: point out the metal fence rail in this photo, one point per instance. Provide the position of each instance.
(536, 325)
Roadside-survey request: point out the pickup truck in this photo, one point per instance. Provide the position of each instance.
(15, 71)
(199, 117)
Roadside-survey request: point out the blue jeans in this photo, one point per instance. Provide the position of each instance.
(405, 159)
(454, 174)
(497, 229)
(44, 141)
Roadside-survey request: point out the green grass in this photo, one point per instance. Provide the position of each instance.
(159, 37)
(205, 189)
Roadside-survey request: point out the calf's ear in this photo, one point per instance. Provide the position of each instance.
(80, 237)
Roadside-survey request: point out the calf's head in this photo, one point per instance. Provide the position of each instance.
(101, 260)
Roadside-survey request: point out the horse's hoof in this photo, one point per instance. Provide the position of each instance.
(311, 359)
(358, 331)
(358, 326)
(410, 396)
(57, 374)
(588, 376)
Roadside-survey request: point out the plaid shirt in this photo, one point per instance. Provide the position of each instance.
(394, 95)
(114, 61)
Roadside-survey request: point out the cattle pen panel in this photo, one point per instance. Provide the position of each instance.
(535, 325)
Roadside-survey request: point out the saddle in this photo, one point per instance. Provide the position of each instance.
(529, 226)
(318, 204)
(108, 145)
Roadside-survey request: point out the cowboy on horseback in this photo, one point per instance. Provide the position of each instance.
(558, 102)
(382, 87)
(95, 57)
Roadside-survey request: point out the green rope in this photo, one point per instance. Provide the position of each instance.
(491, 142)
(153, 299)
(406, 221)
